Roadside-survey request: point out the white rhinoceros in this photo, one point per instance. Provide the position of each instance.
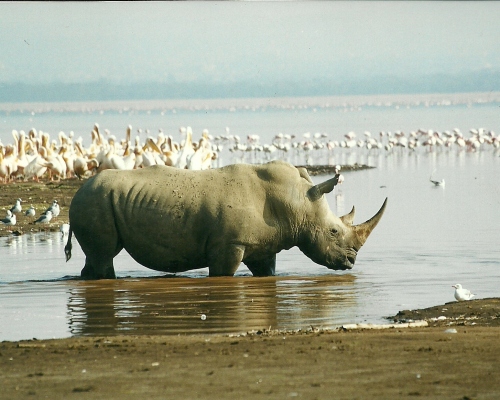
(174, 220)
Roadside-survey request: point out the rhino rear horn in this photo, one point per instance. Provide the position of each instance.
(363, 230)
(315, 192)
(348, 218)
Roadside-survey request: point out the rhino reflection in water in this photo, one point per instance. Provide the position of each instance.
(175, 220)
(174, 305)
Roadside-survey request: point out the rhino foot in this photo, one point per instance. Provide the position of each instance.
(106, 272)
(263, 267)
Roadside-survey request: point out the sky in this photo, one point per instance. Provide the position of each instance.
(221, 42)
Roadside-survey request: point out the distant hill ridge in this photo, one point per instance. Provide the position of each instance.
(481, 81)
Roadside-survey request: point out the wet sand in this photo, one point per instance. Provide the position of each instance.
(430, 362)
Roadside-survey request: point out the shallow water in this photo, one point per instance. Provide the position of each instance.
(429, 238)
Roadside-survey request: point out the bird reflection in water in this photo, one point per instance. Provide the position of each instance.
(164, 306)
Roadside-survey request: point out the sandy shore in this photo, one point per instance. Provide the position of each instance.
(458, 357)
(411, 362)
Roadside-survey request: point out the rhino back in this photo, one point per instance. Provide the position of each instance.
(169, 217)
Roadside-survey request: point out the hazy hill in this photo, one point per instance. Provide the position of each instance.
(480, 81)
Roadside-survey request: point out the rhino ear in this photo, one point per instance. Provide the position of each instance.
(318, 190)
(304, 174)
(349, 218)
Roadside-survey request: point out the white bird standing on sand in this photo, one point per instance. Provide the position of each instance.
(54, 209)
(44, 218)
(9, 220)
(17, 207)
(462, 294)
(30, 212)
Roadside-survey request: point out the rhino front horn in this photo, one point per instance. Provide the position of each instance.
(315, 192)
(363, 230)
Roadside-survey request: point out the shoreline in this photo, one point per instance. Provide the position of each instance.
(344, 364)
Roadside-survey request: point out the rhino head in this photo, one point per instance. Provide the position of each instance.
(330, 240)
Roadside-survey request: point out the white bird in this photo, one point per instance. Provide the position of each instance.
(462, 294)
(9, 220)
(64, 229)
(437, 183)
(30, 212)
(17, 207)
(44, 218)
(54, 209)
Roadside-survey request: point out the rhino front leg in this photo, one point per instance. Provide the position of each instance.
(226, 262)
(263, 267)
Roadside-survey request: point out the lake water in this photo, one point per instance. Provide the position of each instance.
(429, 238)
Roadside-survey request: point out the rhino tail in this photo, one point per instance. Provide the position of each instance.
(69, 246)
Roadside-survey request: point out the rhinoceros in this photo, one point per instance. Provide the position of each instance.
(174, 220)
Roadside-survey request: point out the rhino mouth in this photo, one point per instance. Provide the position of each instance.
(347, 262)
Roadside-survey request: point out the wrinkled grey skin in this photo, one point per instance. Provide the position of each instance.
(175, 220)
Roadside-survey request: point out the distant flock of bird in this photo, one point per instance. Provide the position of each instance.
(35, 155)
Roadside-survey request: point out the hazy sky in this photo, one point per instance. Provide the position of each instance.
(234, 41)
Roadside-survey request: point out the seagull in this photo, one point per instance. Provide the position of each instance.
(30, 212)
(54, 209)
(437, 183)
(17, 207)
(64, 229)
(9, 220)
(462, 294)
(44, 218)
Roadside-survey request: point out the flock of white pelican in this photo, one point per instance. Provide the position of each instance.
(35, 155)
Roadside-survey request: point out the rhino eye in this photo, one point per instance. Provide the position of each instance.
(333, 231)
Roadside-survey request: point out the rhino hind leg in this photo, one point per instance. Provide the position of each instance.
(103, 269)
(99, 251)
(263, 267)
